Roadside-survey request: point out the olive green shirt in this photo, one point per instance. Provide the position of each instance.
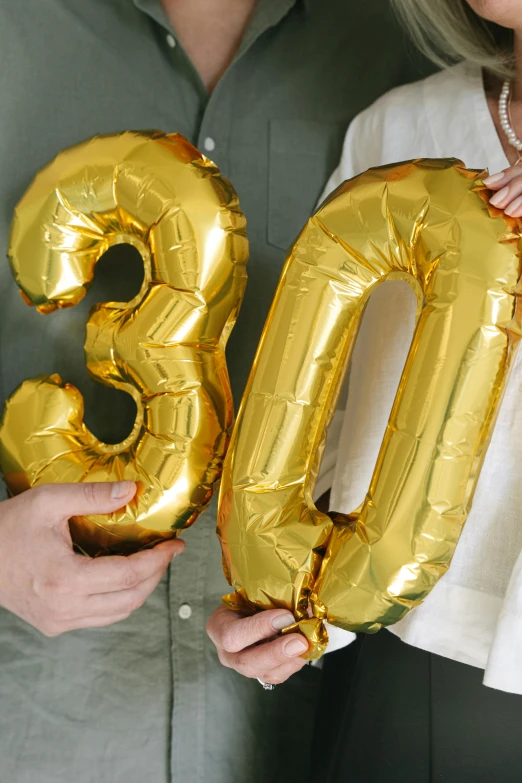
(146, 701)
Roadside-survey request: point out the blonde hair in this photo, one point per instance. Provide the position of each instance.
(448, 31)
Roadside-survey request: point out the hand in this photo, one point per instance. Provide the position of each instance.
(45, 583)
(247, 644)
(508, 185)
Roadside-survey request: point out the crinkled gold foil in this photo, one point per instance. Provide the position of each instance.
(427, 222)
(315, 634)
(166, 347)
(312, 628)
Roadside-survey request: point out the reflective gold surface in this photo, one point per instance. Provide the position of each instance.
(165, 347)
(427, 222)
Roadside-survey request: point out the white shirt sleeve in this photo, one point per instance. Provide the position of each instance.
(504, 667)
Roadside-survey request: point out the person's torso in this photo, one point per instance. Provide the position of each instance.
(148, 696)
(274, 125)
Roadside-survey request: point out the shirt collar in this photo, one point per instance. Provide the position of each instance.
(155, 9)
(268, 13)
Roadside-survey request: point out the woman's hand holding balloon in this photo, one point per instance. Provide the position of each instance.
(508, 187)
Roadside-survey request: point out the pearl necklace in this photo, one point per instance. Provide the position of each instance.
(504, 105)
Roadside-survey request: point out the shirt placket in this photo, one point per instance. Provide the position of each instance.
(188, 575)
(188, 582)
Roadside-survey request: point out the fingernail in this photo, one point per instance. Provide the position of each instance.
(512, 208)
(493, 178)
(499, 197)
(179, 549)
(295, 647)
(120, 489)
(280, 621)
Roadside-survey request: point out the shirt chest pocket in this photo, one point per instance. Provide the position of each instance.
(302, 155)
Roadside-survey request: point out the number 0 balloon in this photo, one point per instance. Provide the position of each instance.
(429, 223)
(165, 347)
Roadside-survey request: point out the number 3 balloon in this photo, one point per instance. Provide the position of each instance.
(165, 347)
(429, 223)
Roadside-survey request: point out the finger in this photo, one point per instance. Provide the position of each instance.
(282, 673)
(507, 194)
(232, 632)
(112, 574)
(500, 180)
(86, 622)
(58, 502)
(123, 602)
(259, 661)
(514, 209)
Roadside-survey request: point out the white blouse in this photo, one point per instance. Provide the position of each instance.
(474, 614)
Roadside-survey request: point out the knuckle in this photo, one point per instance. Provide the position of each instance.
(134, 601)
(239, 633)
(271, 678)
(244, 665)
(54, 613)
(249, 672)
(51, 587)
(58, 610)
(258, 625)
(224, 659)
(239, 662)
(90, 493)
(213, 632)
(277, 657)
(61, 584)
(116, 619)
(210, 627)
(129, 576)
(229, 639)
(49, 628)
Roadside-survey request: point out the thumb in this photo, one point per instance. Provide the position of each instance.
(63, 501)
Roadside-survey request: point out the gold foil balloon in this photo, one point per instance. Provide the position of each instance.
(427, 222)
(165, 347)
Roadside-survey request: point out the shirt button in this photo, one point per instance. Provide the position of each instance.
(209, 144)
(171, 41)
(185, 611)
